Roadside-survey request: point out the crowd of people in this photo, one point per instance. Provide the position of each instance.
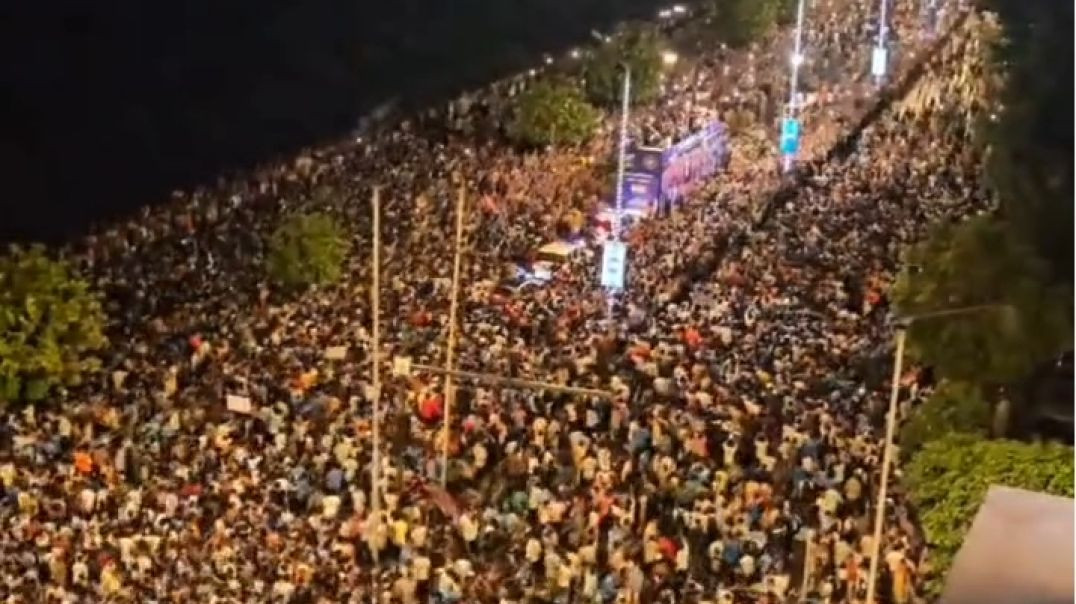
(735, 460)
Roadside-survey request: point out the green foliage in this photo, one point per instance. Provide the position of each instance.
(953, 407)
(553, 112)
(948, 479)
(307, 249)
(640, 49)
(979, 262)
(1030, 161)
(786, 11)
(741, 22)
(50, 322)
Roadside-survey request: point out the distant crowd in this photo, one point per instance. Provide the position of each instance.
(736, 460)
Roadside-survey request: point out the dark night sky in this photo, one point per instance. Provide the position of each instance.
(106, 106)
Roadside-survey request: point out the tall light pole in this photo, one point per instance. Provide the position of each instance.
(624, 108)
(933, 15)
(902, 325)
(375, 376)
(879, 58)
(450, 354)
(793, 86)
(797, 58)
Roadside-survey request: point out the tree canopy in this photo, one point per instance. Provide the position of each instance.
(640, 49)
(953, 407)
(741, 22)
(552, 112)
(1030, 140)
(980, 262)
(947, 481)
(50, 321)
(307, 249)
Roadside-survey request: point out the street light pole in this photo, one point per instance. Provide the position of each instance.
(374, 525)
(879, 48)
(796, 60)
(902, 324)
(623, 153)
(887, 455)
(375, 369)
(450, 393)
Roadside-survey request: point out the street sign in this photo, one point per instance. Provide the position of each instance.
(614, 264)
(878, 61)
(790, 136)
(401, 366)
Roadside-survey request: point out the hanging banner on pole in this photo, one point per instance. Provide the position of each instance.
(790, 136)
(614, 264)
(878, 61)
(692, 162)
(642, 178)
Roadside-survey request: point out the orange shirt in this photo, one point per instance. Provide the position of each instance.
(692, 337)
(83, 462)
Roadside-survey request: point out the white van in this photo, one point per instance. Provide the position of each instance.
(552, 255)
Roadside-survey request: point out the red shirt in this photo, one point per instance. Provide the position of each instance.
(430, 410)
(668, 548)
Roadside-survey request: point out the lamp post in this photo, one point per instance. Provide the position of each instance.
(450, 353)
(793, 87)
(878, 57)
(797, 57)
(374, 525)
(902, 325)
(622, 155)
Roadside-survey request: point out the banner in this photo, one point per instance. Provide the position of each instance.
(614, 264)
(790, 136)
(689, 163)
(642, 177)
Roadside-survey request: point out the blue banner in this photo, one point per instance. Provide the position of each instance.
(688, 164)
(790, 136)
(642, 177)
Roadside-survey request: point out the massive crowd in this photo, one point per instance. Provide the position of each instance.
(736, 462)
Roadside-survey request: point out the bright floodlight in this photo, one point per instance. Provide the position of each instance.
(575, 53)
(532, 72)
(549, 60)
(669, 57)
(679, 9)
(664, 13)
(797, 59)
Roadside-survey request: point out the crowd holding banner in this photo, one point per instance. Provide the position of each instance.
(222, 453)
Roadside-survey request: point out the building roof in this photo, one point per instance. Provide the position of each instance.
(1019, 551)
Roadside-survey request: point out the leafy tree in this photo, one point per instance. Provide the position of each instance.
(954, 407)
(640, 50)
(50, 322)
(786, 11)
(979, 262)
(948, 479)
(1029, 163)
(553, 112)
(307, 249)
(741, 22)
